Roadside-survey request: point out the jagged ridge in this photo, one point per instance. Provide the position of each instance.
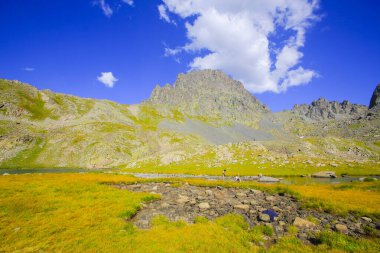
(323, 109)
(212, 94)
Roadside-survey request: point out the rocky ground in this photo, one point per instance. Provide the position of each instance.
(187, 202)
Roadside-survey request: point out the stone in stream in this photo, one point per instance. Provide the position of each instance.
(324, 174)
(302, 223)
(264, 179)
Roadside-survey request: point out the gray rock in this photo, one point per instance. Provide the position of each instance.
(375, 99)
(322, 109)
(341, 228)
(302, 223)
(182, 199)
(268, 179)
(204, 206)
(242, 207)
(264, 217)
(367, 219)
(324, 174)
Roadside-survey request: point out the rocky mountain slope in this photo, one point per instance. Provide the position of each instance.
(206, 120)
(322, 109)
(210, 95)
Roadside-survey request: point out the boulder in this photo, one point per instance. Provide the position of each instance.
(264, 217)
(302, 223)
(204, 206)
(367, 219)
(268, 179)
(182, 199)
(209, 192)
(242, 207)
(324, 174)
(341, 228)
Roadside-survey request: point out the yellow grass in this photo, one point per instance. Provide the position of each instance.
(80, 213)
(342, 199)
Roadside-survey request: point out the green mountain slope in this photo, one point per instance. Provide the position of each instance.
(203, 123)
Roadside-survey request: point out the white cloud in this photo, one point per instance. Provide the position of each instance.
(129, 2)
(107, 79)
(256, 41)
(107, 10)
(164, 14)
(29, 69)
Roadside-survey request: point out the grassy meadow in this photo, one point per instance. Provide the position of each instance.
(82, 213)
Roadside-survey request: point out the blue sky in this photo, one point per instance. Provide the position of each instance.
(332, 51)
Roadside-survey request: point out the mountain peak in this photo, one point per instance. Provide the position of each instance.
(209, 93)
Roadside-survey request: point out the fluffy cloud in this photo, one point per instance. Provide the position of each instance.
(256, 41)
(107, 79)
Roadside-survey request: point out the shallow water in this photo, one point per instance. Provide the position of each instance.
(285, 180)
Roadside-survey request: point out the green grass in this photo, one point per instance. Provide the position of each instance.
(35, 105)
(26, 157)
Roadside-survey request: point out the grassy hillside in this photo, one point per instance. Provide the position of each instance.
(43, 129)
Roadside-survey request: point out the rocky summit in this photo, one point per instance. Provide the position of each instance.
(211, 94)
(204, 121)
(323, 109)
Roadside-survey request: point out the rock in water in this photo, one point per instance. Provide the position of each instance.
(375, 99)
(324, 174)
(268, 179)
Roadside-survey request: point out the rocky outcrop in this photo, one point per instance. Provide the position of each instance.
(257, 207)
(375, 99)
(323, 109)
(211, 94)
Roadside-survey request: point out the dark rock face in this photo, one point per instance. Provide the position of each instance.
(323, 109)
(375, 99)
(209, 93)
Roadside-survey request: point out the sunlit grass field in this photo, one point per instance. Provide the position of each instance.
(82, 213)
